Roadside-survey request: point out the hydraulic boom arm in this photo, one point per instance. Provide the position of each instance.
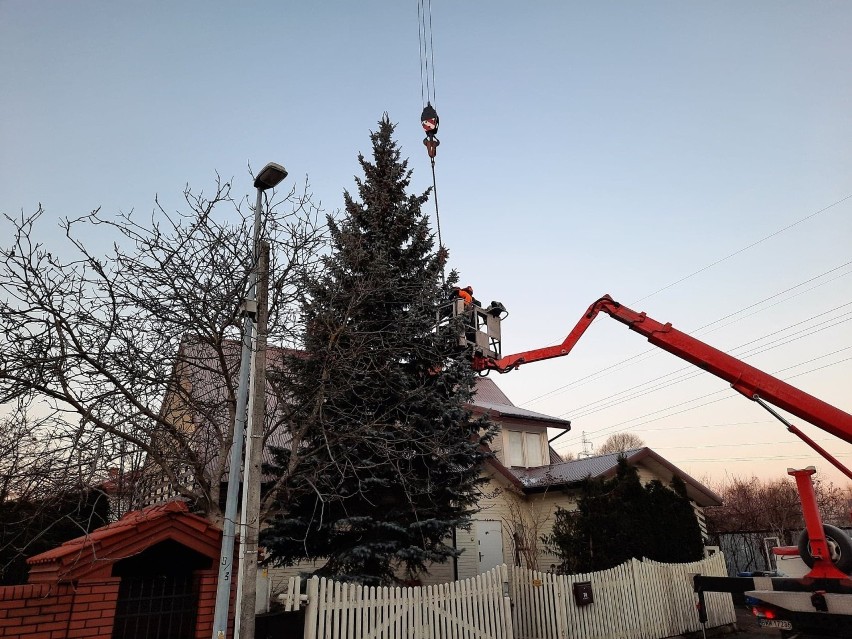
(751, 382)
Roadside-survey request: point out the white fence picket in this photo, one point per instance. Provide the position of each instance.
(291, 597)
(470, 609)
(637, 600)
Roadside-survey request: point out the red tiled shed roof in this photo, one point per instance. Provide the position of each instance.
(94, 554)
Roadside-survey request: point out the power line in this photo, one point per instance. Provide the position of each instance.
(791, 442)
(611, 430)
(723, 425)
(701, 329)
(691, 372)
(652, 352)
(750, 459)
(745, 248)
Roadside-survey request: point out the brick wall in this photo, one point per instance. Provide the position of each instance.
(207, 582)
(43, 611)
(86, 610)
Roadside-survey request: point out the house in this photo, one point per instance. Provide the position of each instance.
(200, 404)
(526, 479)
(527, 482)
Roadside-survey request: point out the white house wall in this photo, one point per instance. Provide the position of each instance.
(495, 504)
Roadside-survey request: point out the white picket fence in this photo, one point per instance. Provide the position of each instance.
(471, 609)
(636, 600)
(292, 598)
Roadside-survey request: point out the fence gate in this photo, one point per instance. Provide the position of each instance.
(636, 600)
(474, 609)
(156, 607)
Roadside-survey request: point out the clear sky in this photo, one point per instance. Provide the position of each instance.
(691, 159)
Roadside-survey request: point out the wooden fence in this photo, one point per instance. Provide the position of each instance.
(636, 600)
(292, 598)
(475, 608)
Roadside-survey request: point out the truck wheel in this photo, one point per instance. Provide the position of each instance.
(839, 548)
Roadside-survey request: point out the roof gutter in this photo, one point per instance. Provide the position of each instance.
(564, 430)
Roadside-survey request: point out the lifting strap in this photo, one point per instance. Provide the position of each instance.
(429, 119)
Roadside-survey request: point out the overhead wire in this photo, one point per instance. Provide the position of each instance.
(814, 359)
(753, 458)
(701, 270)
(742, 250)
(606, 429)
(692, 373)
(789, 442)
(701, 330)
(629, 425)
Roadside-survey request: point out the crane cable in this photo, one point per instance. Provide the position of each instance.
(429, 117)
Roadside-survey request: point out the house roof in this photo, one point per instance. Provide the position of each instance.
(94, 554)
(491, 400)
(202, 375)
(488, 392)
(501, 410)
(568, 473)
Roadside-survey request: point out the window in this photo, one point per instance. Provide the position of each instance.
(515, 454)
(524, 449)
(532, 449)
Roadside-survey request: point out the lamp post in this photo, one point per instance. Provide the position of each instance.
(268, 177)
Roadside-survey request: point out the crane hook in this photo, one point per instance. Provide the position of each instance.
(430, 120)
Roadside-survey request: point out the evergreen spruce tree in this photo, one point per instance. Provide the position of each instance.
(676, 535)
(619, 518)
(379, 396)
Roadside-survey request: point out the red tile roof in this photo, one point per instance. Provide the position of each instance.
(140, 529)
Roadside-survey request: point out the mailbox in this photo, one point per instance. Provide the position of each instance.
(583, 593)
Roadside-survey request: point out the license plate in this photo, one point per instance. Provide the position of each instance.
(774, 623)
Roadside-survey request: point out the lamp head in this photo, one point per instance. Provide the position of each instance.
(269, 176)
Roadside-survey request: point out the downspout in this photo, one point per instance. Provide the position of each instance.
(455, 558)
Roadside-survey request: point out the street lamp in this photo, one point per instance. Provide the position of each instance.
(269, 176)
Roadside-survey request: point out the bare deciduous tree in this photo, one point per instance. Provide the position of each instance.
(132, 349)
(526, 523)
(48, 486)
(773, 506)
(620, 442)
(755, 510)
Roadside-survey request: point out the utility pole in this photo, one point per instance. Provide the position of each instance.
(247, 582)
(268, 178)
(587, 447)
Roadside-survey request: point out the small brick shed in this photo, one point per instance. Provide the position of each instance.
(151, 574)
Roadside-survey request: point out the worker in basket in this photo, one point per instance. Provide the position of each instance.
(466, 295)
